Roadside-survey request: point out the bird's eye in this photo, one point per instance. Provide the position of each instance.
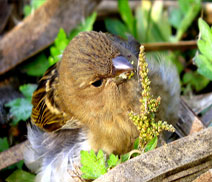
(97, 83)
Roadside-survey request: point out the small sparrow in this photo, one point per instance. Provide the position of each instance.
(83, 102)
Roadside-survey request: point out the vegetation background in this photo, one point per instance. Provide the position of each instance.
(150, 22)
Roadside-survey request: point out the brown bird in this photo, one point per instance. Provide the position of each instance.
(83, 102)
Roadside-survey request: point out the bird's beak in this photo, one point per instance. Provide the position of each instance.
(121, 65)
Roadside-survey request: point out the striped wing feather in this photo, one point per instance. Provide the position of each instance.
(46, 113)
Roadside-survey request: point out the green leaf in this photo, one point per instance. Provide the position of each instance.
(127, 16)
(205, 48)
(34, 4)
(136, 144)
(185, 5)
(20, 109)
(152, 22)
(27, 10)
(204, 60)
(27, 90)
(4, 145)
(38, 66)
(205, 31)
(197, 81)
(204, 66)
(60, 42)
(151, 145)
(175, 17)
(113, 161)
(116, 27)
(59, 46)
(86, 25)
(92, 166)
(189, 17)
(21, 176)
(19, 164)
(125, 157)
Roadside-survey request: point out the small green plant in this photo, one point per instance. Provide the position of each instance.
(203, 59)
(93, 165)
(21, 108)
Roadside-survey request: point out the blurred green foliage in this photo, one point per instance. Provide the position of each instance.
(34, 4)
(21, 108)
(204, 58)
(193, 81)
(21, 176)
(152, 23)
(38, 66)
(4, 145)
(40, 63)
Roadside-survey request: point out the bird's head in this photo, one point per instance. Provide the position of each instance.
(93, 76)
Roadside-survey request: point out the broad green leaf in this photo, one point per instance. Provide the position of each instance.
(116, 27)
(204, 59)
(4, 145)
(38, 66)
(127, 16)
(205, 48)
(113, 161)
(204, 66)
(186, 4)
(27, 90)
(20, 109)
(21, 176)
(92, 166)
(151, 145)
(205, 31)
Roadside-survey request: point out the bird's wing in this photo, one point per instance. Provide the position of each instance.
(46, 113)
